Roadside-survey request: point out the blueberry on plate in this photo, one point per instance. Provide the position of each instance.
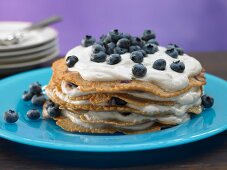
(139, 70)
(172, 52)
(33, 114)
(153, 41)
(53, 110)
(178, 66)
(11, 116)
(159, 64)
(87, 41)
(99, 57)
(137, 41)
(134, 48)
(27, 95)
(137, 56)
(38, 100)
(148, 34)
(35, 88)
(71, 61)
(117, 101)
(115, 35)
(123, 43)
(110, 48)
(97, 48)
(150, 48)
(207, 101)
(119, 50)
(113, 59)
(179, 49)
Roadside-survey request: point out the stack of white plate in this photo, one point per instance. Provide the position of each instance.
(38, 46)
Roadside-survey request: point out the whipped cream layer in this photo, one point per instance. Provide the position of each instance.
(186, 98)
(151, 110)
(167, 79)
(103, 116)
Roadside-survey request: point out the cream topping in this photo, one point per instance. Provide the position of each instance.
(167, 79)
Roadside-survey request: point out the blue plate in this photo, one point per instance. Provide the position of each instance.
(44, 133)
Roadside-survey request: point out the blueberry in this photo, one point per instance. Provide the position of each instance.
(113, 59)
(148, 34)
(53, 110)
(143, 52)
(134, 48)
(11, 116)
(49, 103)
(139, 70)
(178, 66)
(33, 114)
(71, 61)
(101, 40)
(172, 52)
(159, 64)
(137, 41)
(110, 48)
(123, 43)
(207, 101)
(102, 37)
(35, 88)
(115, 35)
(179, 49)
(38, 100)
(27, 95)
(97, 48)
(137, 56)
(126, 35)
(99, 57)
(118, 50)
(117, 101)
(107, 40)
(150, 48)
(71, 85)
(153, 41)
(88, 40)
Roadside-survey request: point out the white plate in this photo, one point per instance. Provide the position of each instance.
(10, 67)
(27, 57)
(7, 54)
(33, 38)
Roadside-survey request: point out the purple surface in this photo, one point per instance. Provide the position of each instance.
(196, 25)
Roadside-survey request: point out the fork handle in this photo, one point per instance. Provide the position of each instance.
(43, 23)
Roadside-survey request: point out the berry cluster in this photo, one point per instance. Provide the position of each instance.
(34, 94)
(110, 47)
(116, 43)
(52, 109)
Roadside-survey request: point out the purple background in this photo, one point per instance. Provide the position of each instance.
(196, 25)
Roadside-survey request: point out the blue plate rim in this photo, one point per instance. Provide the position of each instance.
(106, 148)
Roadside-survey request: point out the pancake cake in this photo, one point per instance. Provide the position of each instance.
(123, 83)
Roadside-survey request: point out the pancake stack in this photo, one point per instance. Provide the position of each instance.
(95, 95)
